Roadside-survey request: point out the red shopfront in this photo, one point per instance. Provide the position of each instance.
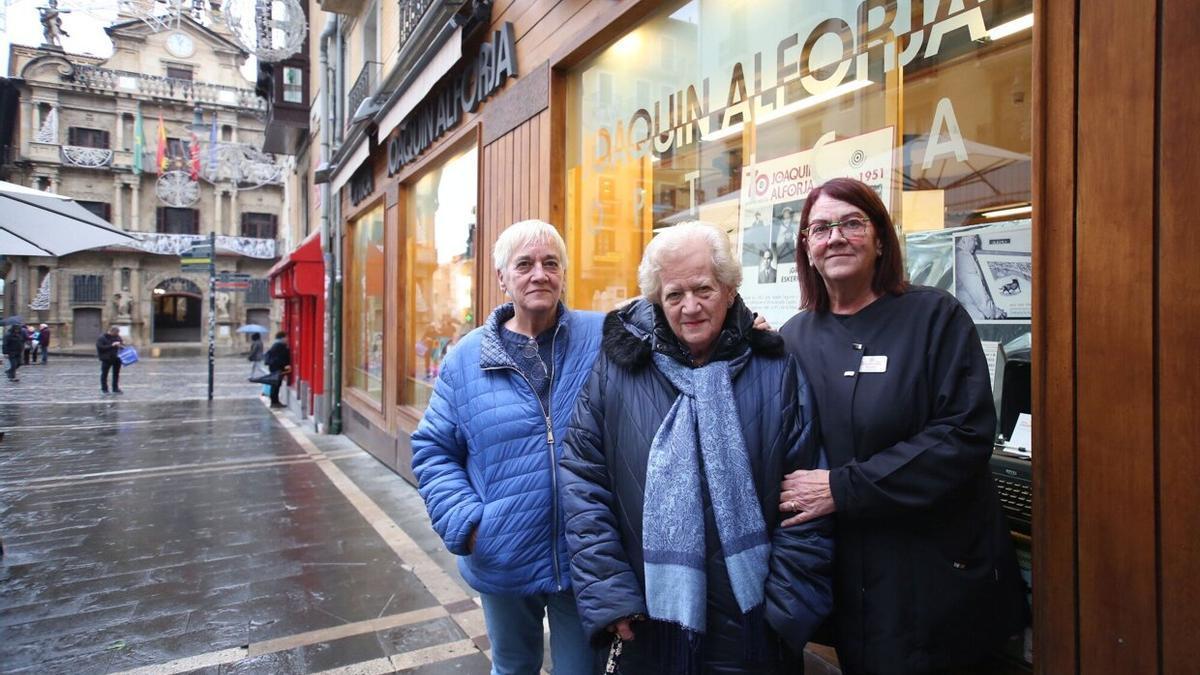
(299, 280)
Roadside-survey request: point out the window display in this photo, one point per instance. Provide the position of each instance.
(732, 112)
(439, 278)
(364, 318)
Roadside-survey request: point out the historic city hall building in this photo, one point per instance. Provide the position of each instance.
(90, 129)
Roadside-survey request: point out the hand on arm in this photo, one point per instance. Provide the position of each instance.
(806, 494)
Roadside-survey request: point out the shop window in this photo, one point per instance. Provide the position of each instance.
(172, 220)
(758, 107)
(259, 225)
(87, 138)
(439, 275)
(364, 318)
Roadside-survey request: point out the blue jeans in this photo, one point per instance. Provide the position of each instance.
(514, 625)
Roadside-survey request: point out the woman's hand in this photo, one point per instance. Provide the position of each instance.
(760, 323)
(805, 494)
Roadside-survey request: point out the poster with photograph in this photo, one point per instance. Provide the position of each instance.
(772, 199)
(993, 272)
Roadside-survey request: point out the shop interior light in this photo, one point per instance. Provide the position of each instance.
(1011, 28)
(791, 108)
(1008, 211)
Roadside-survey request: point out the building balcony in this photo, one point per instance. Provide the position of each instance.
(186, 91)
(411, 13)
(364, 85)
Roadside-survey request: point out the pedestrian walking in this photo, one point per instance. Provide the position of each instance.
(108, 347)
(256, 354)
(14, 345)
(43, 343)
(485, 453)
(279, 361)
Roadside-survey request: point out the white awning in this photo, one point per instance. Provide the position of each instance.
(446, 58)
(351, 164)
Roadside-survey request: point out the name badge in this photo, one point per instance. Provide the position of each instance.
(873, 364)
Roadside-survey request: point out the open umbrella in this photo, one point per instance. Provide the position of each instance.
(13, 320)
(253, 328)
(33, 222)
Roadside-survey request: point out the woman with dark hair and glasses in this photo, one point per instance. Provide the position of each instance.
(925, 577)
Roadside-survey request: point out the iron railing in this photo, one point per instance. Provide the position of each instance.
(411, 12)
(87, 289)
(364, 85)
(259, 292)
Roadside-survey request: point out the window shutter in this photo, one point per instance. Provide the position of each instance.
(71, 140)
(159, 215)
(104, 139)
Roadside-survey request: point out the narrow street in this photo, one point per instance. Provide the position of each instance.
(158, 532)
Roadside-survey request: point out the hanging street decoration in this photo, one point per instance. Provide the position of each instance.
(242, 166)
(272, 30)
(176, 188)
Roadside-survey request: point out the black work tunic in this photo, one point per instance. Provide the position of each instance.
(926, 576)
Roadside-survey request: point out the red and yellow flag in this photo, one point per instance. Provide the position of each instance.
(161, 157)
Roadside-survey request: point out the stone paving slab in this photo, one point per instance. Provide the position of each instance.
(161, 532)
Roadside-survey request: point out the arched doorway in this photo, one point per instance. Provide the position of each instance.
(176, 305)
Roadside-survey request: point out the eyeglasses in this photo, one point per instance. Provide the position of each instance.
(819, 230)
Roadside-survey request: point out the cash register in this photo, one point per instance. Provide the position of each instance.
(1012, 472)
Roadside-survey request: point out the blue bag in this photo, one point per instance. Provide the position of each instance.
(128, 355)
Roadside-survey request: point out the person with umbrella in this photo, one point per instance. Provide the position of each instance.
(256, 353)
(14, 345)
(279, 361)
(108, 348)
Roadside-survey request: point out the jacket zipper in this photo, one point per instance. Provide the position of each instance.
(550, 448)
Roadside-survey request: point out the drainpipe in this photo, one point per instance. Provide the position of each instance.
(331, 236)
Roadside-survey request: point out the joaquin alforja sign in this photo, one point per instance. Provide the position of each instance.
(442, 110)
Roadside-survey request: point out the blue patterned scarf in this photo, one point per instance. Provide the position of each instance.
(701, 432)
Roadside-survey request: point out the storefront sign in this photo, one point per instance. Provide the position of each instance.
(362, 184)
(761, 89)
(444, 108)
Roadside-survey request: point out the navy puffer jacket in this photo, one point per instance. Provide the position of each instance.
(485, 454)
(603, 475)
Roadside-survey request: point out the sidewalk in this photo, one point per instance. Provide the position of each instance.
(158, 532)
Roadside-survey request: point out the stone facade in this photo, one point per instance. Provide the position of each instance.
(77, 138)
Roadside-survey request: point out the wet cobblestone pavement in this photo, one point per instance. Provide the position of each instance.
(158, 532)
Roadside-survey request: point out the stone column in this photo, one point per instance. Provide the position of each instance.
(120, 133)
(235, 212)
(118, 210)
(135, 206)
(216, 224)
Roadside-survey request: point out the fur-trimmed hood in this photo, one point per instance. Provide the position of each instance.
(634, 331)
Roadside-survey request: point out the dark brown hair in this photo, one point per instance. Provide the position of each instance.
(889, 266)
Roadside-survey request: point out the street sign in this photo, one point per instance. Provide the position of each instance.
(198, 258)
(234, 276)
(233, 286)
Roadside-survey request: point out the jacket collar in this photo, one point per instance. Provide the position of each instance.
(492, 353)
(634, 331)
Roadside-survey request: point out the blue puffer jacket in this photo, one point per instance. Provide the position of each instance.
(485, 455)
